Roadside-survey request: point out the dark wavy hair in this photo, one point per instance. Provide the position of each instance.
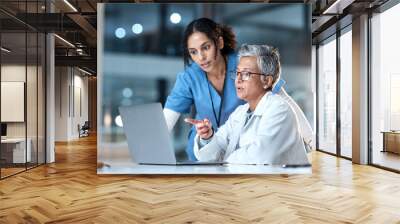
(213, 31)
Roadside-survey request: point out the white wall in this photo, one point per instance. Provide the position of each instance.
(62, 81)
(79, 117)
(13, 73)
(71, 93)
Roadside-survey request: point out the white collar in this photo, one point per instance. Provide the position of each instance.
(260, 108)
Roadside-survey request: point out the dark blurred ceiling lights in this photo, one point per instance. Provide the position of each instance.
(5, 50)
(85, 72)
(76, 24)
(64, 41)
(70, 5)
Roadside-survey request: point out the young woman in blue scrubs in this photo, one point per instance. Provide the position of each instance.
(205, 83)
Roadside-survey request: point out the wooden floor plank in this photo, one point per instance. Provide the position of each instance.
(70, 191)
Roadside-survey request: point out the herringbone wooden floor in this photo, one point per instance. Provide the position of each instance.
(70, 191)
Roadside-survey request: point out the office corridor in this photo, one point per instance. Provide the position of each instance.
(70, 191)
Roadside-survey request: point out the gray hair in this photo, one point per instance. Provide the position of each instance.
(268, 60)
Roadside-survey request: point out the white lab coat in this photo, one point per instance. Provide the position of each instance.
(271, 136)
(306, 131)
(305, 127)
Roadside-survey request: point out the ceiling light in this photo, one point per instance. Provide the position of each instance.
(5, 50)
(137, 28)
(70, 5)
(120, 33)
(84, 71)
(78, 44)
(175, 18)
(338, 6)
(65, 41)
(127, 92)
(118, 121)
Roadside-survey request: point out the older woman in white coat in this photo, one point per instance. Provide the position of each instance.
(263, 131)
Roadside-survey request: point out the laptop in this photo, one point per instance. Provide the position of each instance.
(148, 138)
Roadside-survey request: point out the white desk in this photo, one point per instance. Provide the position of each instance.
(18, 149)
(202, 169)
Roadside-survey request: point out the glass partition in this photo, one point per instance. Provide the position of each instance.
(346, 93)
(385, 89)
(41, 96)
(13, 92)
(327, 96)
(22, 90)
(31, 98)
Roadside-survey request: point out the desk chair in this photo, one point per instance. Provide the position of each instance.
(84, 130)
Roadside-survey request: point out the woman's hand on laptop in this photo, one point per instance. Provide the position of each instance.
(203, 127)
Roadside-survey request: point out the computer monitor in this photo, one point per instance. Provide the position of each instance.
(3, 129)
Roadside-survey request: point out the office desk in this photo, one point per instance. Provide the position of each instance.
(16, 147)
(202, 169)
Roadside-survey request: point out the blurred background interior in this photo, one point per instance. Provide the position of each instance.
(143, 53)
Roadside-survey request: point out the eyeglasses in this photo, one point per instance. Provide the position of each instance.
(244, 76)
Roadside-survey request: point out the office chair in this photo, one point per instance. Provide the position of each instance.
(84, 130)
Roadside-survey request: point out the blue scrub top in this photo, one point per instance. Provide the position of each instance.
(192, 88)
